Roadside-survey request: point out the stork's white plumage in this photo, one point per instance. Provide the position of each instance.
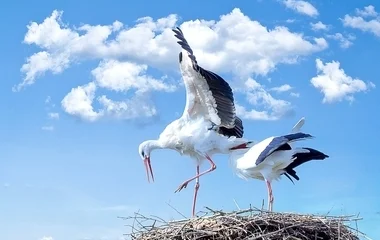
(274, 156)
(208, 124)
(297, 127)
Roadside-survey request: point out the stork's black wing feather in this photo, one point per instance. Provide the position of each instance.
(183, 42)
(220, 89)
(237, 131)
(280, 143)
(223, 95)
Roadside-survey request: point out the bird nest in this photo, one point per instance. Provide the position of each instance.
(246, 224)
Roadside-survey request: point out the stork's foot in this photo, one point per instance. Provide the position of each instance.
(182, 186)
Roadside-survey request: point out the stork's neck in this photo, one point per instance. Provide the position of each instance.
(155, 144)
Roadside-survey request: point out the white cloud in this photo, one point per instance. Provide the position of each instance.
(358, 22)
(48, 128)
(6, 185)
(78, 102)
(53, 115)
(344, 42)
(128, 109)
(234, 38)
(38, 64)
(319, 26)
(290, 20)
(282, 88)
(294, 94)
(232, 44)
(267, 107)
(335, 85)
(123, 76)
(302, 7)
(63, 45)
(368, 11)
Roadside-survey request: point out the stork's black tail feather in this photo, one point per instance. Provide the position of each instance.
(302, 158)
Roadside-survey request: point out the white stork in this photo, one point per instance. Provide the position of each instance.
(208, 124)
(274, 156)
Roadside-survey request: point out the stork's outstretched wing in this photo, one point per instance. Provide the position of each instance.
(207, 93)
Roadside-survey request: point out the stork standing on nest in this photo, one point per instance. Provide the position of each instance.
(272, 157)
(208, 124)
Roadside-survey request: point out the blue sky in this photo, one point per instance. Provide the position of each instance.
(83, 84)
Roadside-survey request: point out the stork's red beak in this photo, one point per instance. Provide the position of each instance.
(148, 168)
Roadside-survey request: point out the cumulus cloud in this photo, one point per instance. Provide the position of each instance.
(234, 38)
(335, 84)
(368, 11)
(38, 64)
(266, 107)
(78, 102)
(282, 88)
(344, 41)
(233, 44)
(302, 7)
(366, 25)
(133, 108)
(63, 45)
(120, 77)
(319, 26)
(290, 20)
(124, 76)
(294, 94)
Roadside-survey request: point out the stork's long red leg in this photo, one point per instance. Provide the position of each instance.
(270, 196)
(184, 184)
(196, 191)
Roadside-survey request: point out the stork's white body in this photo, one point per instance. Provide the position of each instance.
(273, 157)
(191, 137)
(244, 162)
(208, 124)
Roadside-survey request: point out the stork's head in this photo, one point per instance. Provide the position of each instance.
(144, 150)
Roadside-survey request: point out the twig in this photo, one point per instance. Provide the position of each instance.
(236, 204)
(176, 210)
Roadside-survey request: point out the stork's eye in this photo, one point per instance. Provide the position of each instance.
(142, 153)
